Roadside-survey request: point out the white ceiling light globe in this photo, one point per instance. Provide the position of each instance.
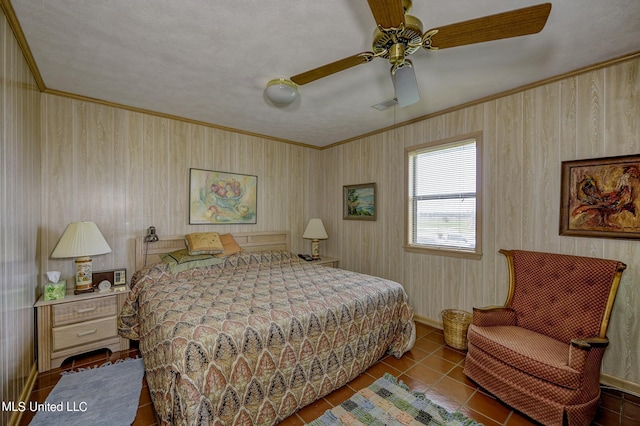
(281, 91)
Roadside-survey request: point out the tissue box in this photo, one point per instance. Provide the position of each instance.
(55, 291)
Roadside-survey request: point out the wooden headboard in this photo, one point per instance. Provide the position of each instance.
(249, 241)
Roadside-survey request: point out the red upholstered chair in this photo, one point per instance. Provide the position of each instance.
(541, 352)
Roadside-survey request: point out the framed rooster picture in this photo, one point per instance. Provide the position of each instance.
(601, 197)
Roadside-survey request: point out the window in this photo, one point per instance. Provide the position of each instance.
(443, 198)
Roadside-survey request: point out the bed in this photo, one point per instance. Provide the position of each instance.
(261, 334)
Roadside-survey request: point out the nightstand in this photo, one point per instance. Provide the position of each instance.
(327, 261)
(76, 324)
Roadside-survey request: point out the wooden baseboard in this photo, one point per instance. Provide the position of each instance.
(14, 420)
(620, 384)
(428, 321)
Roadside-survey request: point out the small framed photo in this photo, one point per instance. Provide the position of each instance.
(601, 197)
(359, 202)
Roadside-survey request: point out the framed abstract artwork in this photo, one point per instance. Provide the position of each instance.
(359, 202)
(222, 198)
(601, 197)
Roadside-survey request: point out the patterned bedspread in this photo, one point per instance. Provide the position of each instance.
(252, 340)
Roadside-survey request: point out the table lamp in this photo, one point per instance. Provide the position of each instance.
(81, 240)
(315, 231)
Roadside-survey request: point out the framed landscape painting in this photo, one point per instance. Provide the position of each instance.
(359, 202)
(222, 198)
(601, 197)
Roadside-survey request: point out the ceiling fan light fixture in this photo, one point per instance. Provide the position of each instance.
(281, 91)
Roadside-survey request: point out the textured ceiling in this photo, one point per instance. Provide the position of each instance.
(210, 61)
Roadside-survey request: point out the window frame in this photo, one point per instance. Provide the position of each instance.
(476, 253)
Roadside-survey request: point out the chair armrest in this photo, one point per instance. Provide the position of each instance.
(582, 349)
(493, 315)
(590, 342)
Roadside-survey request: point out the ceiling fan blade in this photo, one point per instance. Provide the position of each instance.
(332, 68)
(387, 13)
(405, 84)
(515, 23)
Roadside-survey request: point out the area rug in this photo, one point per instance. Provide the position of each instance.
(390, 402)
(105, 395)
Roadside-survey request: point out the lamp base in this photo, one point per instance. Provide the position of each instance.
(315, 249)
(84, 275)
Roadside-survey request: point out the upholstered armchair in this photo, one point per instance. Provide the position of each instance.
(542, 351)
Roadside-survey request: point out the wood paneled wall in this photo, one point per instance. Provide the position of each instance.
(526, 135)
(127, 171)
(20, 214)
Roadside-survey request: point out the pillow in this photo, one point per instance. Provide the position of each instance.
(204, 243)
(181, 260)
(231, 246)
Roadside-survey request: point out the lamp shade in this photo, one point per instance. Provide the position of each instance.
(315, 230)
(81, 239)
(281, 91)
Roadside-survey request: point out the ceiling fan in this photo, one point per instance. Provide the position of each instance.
(400, 34)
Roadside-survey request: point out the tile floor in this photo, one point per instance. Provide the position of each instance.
(430, 366)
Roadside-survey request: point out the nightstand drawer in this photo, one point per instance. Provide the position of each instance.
(69, 313)
(78, 334)
(77, 324)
